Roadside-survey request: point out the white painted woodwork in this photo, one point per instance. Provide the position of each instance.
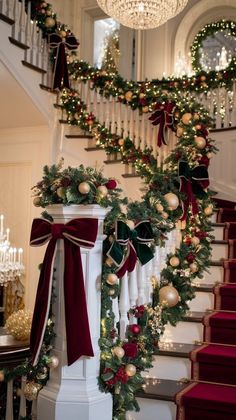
(153, 409)
(219, 252)
(202, 301)
(184, 332)
(72, 391)
(168, 367)
(214, 274)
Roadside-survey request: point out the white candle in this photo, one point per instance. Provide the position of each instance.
(14, 255)
(20, 254)
(1, 226)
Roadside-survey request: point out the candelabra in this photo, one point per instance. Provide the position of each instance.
(11, 259)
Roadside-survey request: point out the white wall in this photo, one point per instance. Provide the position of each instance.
(23, 152)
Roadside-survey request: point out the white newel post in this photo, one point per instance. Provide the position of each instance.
(72, 392)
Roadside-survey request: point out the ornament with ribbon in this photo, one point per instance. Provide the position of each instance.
(60, 42)
(75, 234)
(130, 245)
(192, 183)
(164, 116)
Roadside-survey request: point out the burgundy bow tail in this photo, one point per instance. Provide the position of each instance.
(76, 233)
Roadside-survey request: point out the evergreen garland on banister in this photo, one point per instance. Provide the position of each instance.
(177, 194)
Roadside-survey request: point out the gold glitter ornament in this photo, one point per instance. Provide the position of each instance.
(119, 352)
(31, 390)
(169, 295)
(19, 324)
(130, 369)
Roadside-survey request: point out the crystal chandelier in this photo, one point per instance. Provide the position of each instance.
(142, 14)
(11, 266)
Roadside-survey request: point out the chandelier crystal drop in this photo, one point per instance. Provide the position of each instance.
(142, 14)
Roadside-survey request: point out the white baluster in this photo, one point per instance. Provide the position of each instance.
(124, 305)
(133, 288)
(9, 403)
(16, 18)
(131, 124)
(88, 96)
(107, 112)
(125, 121)
(119, 130)
(22, 23)
(148, 287)
(141, 284)
(142, 132)
(148, 132)
(115, 309)
(113, 115)
(39, 57)
(22, 410)
(33, 51)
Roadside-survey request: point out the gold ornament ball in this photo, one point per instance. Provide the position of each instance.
(203, 78)
(31, 390)
(112, 279)
(102, 189)
(18, 324)
(119, 352)
(54, 362)
(128, 96)
(180, 131)
(209, 155)
(169, 295)
(131, 224)
(172, 201)
(130, 369)
(196, 116)
(49, 12)
(84, 188)
(208, 210)
(198, 127)
(200, 142)
(193, 267)
(159, 207)
(62, 34)
(145, 109)
(109, 262)
(61, 192)
(121, 142)
(2, 376)
(49, 22)
(142, 95)
(174, 261)
(165, 215)
(111, 292)
(195, 240)
(186, 118)
(37, 201)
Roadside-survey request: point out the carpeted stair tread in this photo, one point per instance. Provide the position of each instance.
(230, 230)
(224, 203)
(226, 215)
(232, 248)
(161, 389)
(217, 353)
(220, 327)
(207, 401)
(229, 271)
(225, 296)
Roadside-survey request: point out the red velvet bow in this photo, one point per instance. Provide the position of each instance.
(60, 74)
(75, 233)
(163, 115)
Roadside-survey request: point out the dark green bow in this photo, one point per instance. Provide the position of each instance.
(192, 184)
(130, 245)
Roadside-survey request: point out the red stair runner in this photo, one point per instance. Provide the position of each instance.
(214, 363)
(229, 271)
(211, 394)
(206, 401)
(225, 297)
(230, 231)
(226, 215)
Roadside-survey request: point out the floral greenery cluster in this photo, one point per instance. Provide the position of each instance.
(74, 186)
(210, 30)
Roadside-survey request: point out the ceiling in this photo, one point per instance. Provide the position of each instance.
(16, 107)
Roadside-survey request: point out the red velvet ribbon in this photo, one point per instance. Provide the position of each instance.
(190, 201)
(75, 233)
(163, 115)
(60, 74)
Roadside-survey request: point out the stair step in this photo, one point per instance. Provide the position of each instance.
(93, 149)
(175, 349)
(218, 230)
(6, 19)
(220, 249)
(161, 389)
(33, 67)
(79, 136)
(48, 89)
(183, 333)
(204, 299)
(109, 161)
(130, 175)
(18, 43)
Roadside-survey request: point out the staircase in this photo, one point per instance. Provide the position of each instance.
(175, 365)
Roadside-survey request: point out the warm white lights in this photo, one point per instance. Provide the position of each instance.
(11, 259)
(142, 14)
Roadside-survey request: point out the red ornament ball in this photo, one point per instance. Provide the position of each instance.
(111, 184)
(135, 329)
